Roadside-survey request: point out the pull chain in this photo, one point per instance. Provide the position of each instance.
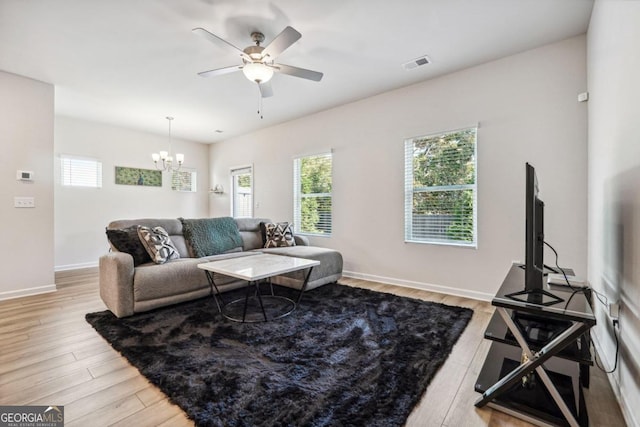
(260, 109)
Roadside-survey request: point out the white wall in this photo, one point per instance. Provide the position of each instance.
(26, 139)
(527, 109)
(81, 214)
(614, 187)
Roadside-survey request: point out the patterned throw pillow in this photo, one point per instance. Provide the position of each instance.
(278, 235)
(127, 240)
(158, 244)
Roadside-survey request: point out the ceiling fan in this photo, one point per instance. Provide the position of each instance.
(258, 62)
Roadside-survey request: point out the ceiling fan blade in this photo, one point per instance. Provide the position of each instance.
(286, 38)
(316, 76)
(220, 71)
(266, 91)
(216, 40)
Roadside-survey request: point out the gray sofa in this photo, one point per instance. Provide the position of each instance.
(126, 289)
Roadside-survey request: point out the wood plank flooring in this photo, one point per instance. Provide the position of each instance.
(49, 355)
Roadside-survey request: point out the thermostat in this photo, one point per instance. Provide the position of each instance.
(24, 176)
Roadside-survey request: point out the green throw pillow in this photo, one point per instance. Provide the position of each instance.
(211, 236)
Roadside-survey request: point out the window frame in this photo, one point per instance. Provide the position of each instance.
(70, 180)
(298, 196)
(234, 173)
(410, 190)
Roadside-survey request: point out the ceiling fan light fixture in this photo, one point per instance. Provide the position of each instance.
(257, 72)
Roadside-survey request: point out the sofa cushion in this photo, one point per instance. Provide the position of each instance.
(127, 240)
(180, 276)
(251, 232)
(330, 261)
(158, 244)
(277, 235)
(211, 236)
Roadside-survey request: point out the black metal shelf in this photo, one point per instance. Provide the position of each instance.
(535, 402)
(497, 331)
(557, 333)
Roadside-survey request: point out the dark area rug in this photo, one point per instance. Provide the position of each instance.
(345, 356)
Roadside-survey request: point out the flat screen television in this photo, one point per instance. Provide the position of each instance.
(534, 267)
(534, 233)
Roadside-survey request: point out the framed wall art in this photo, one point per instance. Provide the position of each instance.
(134, 176)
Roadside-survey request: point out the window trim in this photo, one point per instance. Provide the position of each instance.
(237, 171)
(409, 191)
(297, 194)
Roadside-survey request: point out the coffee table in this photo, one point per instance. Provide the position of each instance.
(255, 269)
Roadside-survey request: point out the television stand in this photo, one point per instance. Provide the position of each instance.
(539, 358)
(535, 296)
(548, 269)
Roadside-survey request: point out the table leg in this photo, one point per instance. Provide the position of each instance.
(304, 284)
(264, 313)
(215, 294)
(246, 302)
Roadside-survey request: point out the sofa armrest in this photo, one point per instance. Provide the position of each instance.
(301, 240)
(116, 282)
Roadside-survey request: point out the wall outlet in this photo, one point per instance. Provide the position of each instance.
(24, 202)
(614, 310)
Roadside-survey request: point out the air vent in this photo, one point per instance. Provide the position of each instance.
(415, 63)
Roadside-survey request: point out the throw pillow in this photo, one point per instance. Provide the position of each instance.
(211, 236)
(127, 240)
(278, 235)
(158, 244)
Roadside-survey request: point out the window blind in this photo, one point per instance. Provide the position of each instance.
(312, 186)
(440, 188)
(80, 171)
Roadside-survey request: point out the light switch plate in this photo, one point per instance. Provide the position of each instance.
(24, 202)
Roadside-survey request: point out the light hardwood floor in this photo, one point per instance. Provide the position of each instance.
(49, 355)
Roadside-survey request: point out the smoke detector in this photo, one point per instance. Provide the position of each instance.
(415, 63)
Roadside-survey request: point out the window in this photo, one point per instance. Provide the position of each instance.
(312, 194)
(80, 172)
(242, 192)
(440, 188)
(184, 180)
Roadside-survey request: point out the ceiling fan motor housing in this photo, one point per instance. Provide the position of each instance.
(257, 37)
(255, 52)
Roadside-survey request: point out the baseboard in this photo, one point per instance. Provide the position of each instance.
(627, 413)
(68, 267)
(27, 292)
(481, 296)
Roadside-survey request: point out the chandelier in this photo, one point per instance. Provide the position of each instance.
(166, 157)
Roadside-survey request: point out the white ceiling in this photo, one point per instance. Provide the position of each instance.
(133, 62)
